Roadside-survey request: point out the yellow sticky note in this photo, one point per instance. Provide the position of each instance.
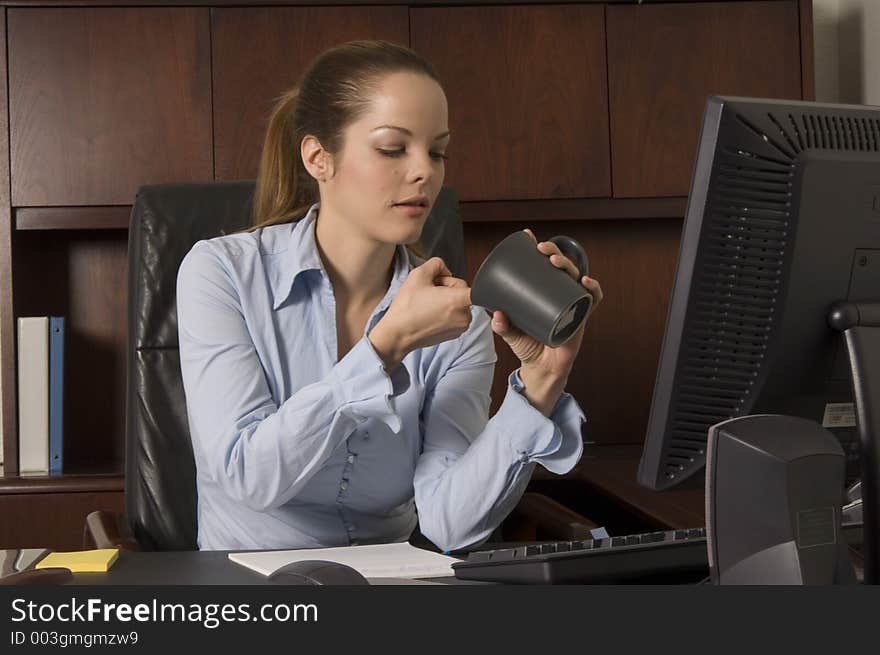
(81, 561)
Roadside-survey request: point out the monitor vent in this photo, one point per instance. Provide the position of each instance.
(731, 311)
(792, 133)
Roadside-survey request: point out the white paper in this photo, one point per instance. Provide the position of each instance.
(400, 560)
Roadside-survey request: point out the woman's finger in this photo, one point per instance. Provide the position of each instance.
(531, 234)
(449, 281)
(592, 285)
(563, 262)
(500, 324)
(558, 259)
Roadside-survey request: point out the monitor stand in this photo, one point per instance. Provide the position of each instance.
(859, 322)
(696, 481)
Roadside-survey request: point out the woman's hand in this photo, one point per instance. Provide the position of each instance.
(431, 306)
(544, 370)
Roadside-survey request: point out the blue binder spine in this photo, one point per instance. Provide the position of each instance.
(56, 394)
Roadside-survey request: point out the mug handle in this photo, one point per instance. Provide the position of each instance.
(575, 252)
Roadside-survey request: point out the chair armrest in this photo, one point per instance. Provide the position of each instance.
(540, 518)
(107, 530)
(38, 577)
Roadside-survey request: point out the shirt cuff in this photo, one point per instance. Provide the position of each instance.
(363, 389)
(555, 442)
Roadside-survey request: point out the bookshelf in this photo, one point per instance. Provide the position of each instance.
(98, 98)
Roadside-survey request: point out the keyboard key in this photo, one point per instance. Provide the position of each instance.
(548, 548)
(633, 539)
(481, 556)
(618, 541)
(533, 550)
(503, 555)
(601, 543)
(582, 545)
(696, 532)
(563, 547)
(680, 534)
(653, 537)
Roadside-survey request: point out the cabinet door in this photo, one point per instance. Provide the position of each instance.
(51, 520)
(527, 98)
(102, 100)
(664, 60)
(261, 52)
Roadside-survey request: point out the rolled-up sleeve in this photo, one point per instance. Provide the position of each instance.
(259, 452)
(473, 470)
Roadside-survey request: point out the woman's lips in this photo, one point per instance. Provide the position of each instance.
(411, 210)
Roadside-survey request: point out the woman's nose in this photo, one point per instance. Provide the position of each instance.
(422, 167)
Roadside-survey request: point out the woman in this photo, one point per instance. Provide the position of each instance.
(338, 388)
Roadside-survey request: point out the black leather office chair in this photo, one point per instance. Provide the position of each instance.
(160, 487)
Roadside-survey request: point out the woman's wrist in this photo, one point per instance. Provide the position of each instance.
(541, 389)
(388, 344)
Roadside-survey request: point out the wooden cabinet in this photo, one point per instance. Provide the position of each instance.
(663, 60)
(51, 514)
(260, 52)
(527, 94)
(105, 99)
(574, 118)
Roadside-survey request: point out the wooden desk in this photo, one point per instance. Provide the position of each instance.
(615, 477)
(603, 488)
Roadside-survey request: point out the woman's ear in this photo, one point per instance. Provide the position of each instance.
(318, 162)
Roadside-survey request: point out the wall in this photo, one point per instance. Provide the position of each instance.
(847, 57)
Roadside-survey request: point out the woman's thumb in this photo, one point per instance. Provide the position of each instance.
(434, 268)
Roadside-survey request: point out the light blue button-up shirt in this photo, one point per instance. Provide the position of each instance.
(295, 449)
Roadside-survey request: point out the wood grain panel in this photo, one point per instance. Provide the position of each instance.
(104, 100)
(56, 484)
(261, 52)
(527, 98)
(8, 408)
(613, 375)
(808, 68)
(82, 276)
(572, 209)
(72, 218)
(52, 521)
(662, 63)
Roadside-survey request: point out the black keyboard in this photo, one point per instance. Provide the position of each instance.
(675, 555)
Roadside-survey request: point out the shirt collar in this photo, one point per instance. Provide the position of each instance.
(302, 255)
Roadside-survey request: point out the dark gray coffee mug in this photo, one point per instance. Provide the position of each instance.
(541, 300)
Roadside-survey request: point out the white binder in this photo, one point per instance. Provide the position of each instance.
(33, 395)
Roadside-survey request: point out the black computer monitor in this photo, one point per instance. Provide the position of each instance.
(783, 222)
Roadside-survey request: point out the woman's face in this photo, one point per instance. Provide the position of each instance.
(392, 154)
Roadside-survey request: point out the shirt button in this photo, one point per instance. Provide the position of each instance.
(344, 486)
(350, 459)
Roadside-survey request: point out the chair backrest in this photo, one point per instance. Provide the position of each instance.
(166, 220)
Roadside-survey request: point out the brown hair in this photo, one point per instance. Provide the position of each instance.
(333, 92)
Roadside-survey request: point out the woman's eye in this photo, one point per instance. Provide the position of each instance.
(436, 156)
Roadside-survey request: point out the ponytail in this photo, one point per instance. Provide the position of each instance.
(284, 189)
